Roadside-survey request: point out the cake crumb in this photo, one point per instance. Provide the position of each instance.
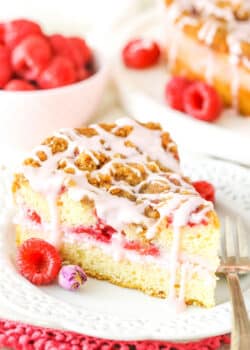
(56, 144)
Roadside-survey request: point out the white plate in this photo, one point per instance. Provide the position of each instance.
(103, 310)
(142, 96)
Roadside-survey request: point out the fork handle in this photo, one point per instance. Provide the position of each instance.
(240, 339)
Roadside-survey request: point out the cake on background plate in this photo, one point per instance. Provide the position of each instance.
(112, 199)
(210, 40)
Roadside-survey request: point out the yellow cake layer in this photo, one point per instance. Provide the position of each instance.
(149, 278)
(200, 240)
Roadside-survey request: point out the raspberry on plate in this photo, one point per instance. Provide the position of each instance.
(19, 85)
(5, 66)
(60, 72)
(31, 56)
(205, 189)
(174, 92)
(15, 31)
(202, 101)
(141, 53)
(38, 261)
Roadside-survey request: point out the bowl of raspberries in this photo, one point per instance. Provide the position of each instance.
(47, 82)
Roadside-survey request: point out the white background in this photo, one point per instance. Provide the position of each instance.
(74, 15)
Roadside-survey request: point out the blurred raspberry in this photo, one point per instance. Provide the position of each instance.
(60, 72)
(2, 26)
(15, 31)
(205, 189)
(73, 48)
(202, 102)
(59, 45)
(81, 52)
(31, 56)
(5, 66)
(174, 92)
(19, 85)
(83, 73)
(141, 53)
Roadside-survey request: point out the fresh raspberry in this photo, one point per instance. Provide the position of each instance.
(60, 72)
(174, 92)
(31, 56)
(205, 189)
(5, 66)
(38, 261)
(33, 216)
(141, 53)
(15, 31)
(81, 52)
(60, 45)
(73, 48)
(18, 85)
(202, 102)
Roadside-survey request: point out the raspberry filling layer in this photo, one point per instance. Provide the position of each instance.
(102, 232)
(150, 249)
(33, 216)
(204, 222)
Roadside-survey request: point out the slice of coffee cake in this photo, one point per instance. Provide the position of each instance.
(209, 40)
(112, 199)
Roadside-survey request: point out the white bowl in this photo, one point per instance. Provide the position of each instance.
(27, 117)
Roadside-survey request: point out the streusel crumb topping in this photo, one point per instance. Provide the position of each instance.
(126, 167)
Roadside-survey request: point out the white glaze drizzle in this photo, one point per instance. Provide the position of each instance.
(179, 200)
(206, 34)
(174, 262)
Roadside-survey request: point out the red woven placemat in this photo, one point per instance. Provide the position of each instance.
(19, 336)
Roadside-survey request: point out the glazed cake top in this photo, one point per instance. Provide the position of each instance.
(130, 170)
(223, 25)
(223, 9)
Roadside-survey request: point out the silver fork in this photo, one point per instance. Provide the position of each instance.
(232, 265)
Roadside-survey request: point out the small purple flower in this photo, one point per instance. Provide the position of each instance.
(71, 277)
